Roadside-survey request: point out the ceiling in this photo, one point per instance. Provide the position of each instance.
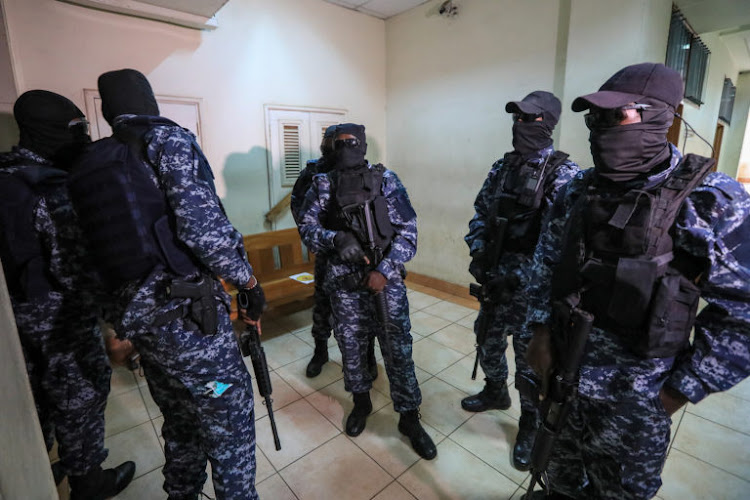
(382, 9)
(729, 18)
(204, 8)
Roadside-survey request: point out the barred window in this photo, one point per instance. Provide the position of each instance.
(687, 54)
(727, 101)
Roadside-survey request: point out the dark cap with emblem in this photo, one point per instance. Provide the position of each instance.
(633, 84)
(538, 102)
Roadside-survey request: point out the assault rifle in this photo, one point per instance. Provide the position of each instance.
(563, 387)
(250, 346)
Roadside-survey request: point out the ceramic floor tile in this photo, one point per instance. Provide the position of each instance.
(138, 444)
(294, 375)
(459, 375)
(158, 422)
(685, 477)
(455, 474)
(719, 446)
(208, 486)
(338, 462)
(148, 486)
(456, 337)
(282, 394)
(448, 310)
(263, 467)
(419, 300)
(382, 441)
(433, 357)
(426, 324)
(441, 406)
(285, 349)
(274, 488)
(468, 321)
(122, 381)
(725, 409)
(124, 412)
(741, 390)
(302, 429)
(491, 436)
(515, 403)
(151, 406)
(394, 491)
(335, 403)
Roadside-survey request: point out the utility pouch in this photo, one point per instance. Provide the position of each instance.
(382, 221)
(202, 301)
(351, 282)
(633, 287)
(673, 312)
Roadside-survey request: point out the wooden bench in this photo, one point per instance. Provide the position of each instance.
(276, 255)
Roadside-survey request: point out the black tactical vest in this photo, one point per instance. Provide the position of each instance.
(519, 195)
(351, 189)
(626, 269)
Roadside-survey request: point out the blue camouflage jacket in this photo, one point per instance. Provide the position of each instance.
(301, 185)
(713, 226)
(319, 239)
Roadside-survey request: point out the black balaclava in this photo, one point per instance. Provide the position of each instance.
(531, 137)
(625, 152)
(347, 157)
(43, 121)
(126, 92)
(325, 163)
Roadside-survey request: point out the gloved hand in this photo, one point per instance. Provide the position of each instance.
(671, 399)
(479, 267)
(252, 303)
(376, 281)
(539, 356)
(348, 247)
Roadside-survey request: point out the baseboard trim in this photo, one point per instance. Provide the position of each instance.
(438, 284)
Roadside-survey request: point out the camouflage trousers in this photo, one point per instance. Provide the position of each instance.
(507, 319)
(321, 327)
(69, 374)
(182, 365)
(355, 323)
(611, 450)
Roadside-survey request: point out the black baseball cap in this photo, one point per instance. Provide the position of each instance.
(537, 103)
(634, 83)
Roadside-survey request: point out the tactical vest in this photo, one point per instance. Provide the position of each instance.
(125, 216)
(25, 261)
(518, 197)
(352, 189)
(628, 275)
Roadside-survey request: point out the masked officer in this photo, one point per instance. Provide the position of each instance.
(517, 194)
(160, 237)
(635, 242)
(55, 313)
(361, 215)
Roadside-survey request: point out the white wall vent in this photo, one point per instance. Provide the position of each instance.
(197, 14)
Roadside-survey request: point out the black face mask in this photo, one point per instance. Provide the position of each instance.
(530, 137)
(349, 157)
(624, 152)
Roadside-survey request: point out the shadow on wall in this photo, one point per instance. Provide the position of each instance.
(8, 131)
(246, 198)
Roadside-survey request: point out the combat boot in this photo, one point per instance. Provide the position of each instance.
(422, 443)
(527, 427)
(372, 363)
(100, 484)
(320, 357)
(494, 396)
(357, 419)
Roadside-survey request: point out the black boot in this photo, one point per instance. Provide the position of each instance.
(494, 396)
(422, 443)
(320, 357)
(100, 484)
(372, 363)
(527, 427)
(357, 419)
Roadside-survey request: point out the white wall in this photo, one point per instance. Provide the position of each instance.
(8, 128)
(297, 52)
(738, 140)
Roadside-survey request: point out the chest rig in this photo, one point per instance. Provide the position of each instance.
(518, 197)
(618, 251)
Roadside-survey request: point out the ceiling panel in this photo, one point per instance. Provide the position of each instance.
(382, 9)
(205, 8)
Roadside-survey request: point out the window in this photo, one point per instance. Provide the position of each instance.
(687, 54)
(727, 101)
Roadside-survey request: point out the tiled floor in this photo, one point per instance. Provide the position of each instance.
(709, 457)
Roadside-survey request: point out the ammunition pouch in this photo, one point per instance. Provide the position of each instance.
(351, 282)
(202, 309)
(527, 387)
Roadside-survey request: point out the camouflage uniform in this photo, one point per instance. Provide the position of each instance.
(616, 439)
(178, 359)
(509, 318)
(321, 328)
(354, 320)
(60, 336)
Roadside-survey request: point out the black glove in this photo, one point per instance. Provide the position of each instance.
(348, 247)
(253, 300)
(478, 268)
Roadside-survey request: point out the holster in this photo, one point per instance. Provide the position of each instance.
(202, 301)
